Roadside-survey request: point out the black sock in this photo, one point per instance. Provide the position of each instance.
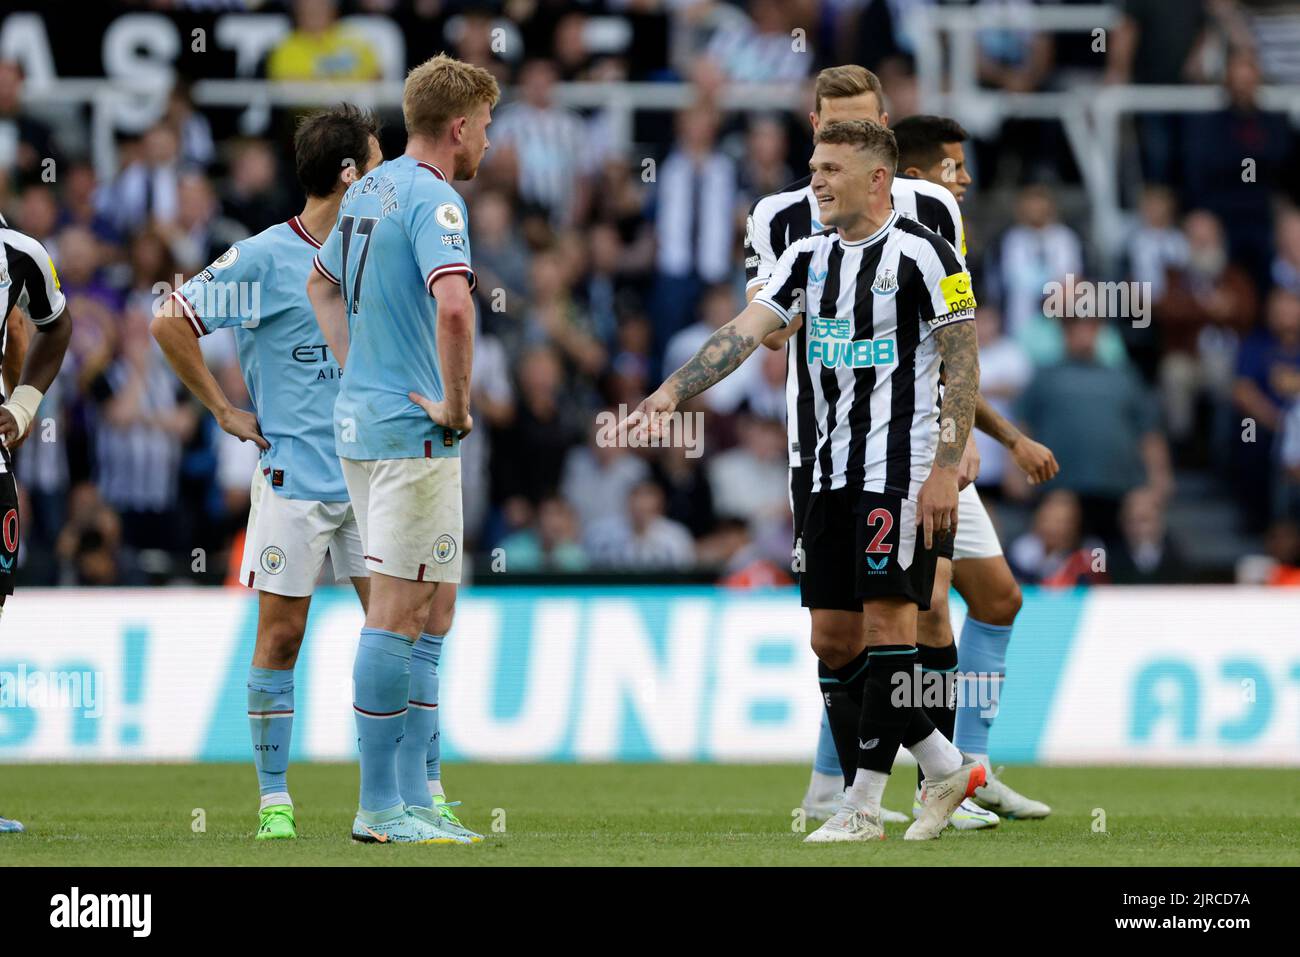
(842, 695)
(938, 691)
(886, 714)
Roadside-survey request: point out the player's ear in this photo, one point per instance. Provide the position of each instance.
(814, 120)
(349, 172)
(884, 119)
(458, 129)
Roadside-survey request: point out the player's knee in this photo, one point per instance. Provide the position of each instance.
(280, 641)
(998, 607)
(836, 646)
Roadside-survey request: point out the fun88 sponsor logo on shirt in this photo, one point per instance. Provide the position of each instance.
(831, 344)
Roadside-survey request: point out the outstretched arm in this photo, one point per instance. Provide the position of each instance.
(40, 366)
(721, 355)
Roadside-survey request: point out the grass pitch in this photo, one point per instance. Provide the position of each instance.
(695, 815)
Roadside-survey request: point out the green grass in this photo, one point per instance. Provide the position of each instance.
(639, 815)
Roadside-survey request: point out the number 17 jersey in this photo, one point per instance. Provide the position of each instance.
(400, 228)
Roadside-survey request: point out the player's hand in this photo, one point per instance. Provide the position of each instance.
(442, 414)
(968, 469)
(936, 505)
(647, 420)
(9, 429)
(1035, 460)
(243, 426)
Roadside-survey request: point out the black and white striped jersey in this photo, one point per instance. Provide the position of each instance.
(781, 218)
(27, 279)
(865, 358)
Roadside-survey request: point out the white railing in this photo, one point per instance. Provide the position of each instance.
(947, 63)
(1092, 115)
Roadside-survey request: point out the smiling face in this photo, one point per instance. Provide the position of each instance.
(843, 181)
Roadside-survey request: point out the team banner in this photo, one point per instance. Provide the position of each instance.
(1128, 676)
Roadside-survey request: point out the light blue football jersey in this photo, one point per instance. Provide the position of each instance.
(399, 229)
(259, 287)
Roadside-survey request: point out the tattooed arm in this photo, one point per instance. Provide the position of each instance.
(937, 501)
(721, 355)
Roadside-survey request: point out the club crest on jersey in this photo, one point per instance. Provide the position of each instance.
(273, 560)
(886, 283)
(444, 549)
(448, 216)
(226, 259)
(5, 281)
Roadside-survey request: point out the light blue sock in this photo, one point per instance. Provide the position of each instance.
(433, 758)
(828, 759)
(421, 737)
(381, 678)
(270, 723)
(982, 652)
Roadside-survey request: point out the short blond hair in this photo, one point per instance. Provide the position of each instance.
(441, 89)
(841, 82)
(865, 135)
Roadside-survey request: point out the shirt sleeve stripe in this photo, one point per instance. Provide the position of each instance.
(188, 308)
(775, 307)
(323, 271)
(448, 270)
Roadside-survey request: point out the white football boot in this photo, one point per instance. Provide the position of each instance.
(848, 824)
(941, 798)
(997, 797)
(969, 816)
(815, 810)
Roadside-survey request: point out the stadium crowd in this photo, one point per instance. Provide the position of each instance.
(597, 271)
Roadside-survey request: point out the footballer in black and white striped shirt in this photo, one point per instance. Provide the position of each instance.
(887, 301)
(29, 286)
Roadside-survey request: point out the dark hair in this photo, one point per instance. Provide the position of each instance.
(921, 139)
(329, 140)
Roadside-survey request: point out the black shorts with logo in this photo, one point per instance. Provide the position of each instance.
(854, 551)
(8, 528)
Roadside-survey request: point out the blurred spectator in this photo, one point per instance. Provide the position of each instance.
(199, 234)
(751, 481)
(1285, 271)
(641, 538)
(1005, 370)
(529, 455)
(143, 424)
(1018, 61)
(695, 207)
(320, 48)
(192, 127)
(147, 188)
(1037, 250)
(470, 36)
(764, 168)
(1207, 304)
(501, 261)
(761, 49)
(551, 545)
(492, 403)
(555, 316)
(1145, 554)
(1234, 160)
(1268, 381)
(89, 547)
(1102, 426)
(549, 145)
(25, 142)
(1155, 42)
(599, 476)
(253, 194)
(1054, 552)
(1157, 245)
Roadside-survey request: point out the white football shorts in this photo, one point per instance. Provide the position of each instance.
(287, 539)
(976, 536)
(410, 515)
